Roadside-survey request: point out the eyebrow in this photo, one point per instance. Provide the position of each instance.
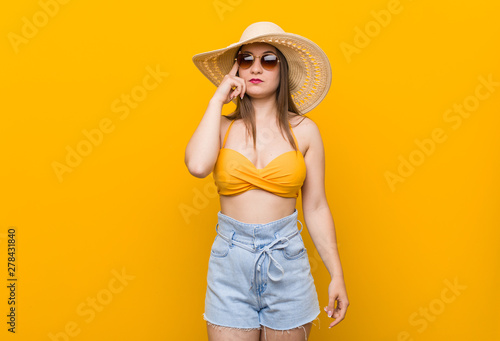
(262, 52)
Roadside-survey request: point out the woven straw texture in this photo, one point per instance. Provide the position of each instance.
(309, 75)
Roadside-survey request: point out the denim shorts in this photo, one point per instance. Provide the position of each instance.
(259, 274)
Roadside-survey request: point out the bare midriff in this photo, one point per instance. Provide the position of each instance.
(256, 206)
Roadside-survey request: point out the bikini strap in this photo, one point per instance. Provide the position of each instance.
(227, 132)
(293, 135)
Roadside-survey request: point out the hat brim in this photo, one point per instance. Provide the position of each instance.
(310, 73)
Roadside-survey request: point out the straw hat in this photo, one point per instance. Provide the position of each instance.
(310, 73)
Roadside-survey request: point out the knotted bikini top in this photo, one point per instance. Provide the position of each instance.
(234, 173)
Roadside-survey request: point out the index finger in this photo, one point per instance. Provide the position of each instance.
(339, 314)
(234, 69)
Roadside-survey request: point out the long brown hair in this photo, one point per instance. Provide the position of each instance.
(245, 110)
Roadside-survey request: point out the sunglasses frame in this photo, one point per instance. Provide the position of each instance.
(255, 58)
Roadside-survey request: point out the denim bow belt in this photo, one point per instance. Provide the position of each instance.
(267, 250)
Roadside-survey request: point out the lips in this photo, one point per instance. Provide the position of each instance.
(255, 80)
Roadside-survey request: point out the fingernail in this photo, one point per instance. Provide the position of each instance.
(329, 314)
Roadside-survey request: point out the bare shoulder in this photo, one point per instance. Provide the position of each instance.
(302, 122)
(224, 125)
(224, 121)
(305, 129)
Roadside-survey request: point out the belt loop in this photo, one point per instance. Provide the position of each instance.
(228, 239)
(302, 226)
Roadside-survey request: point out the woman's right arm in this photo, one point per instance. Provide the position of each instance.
(203, 147)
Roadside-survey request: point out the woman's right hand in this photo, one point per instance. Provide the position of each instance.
(224, 92)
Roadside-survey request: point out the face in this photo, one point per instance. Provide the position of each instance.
(270, 78)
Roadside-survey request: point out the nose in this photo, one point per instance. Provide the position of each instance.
(256, 66)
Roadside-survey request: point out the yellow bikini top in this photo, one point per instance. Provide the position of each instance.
(234, 173)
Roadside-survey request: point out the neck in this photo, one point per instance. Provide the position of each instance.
(265, 109)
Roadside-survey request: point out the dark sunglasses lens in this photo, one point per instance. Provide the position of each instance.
(245, 60)
(269, 61)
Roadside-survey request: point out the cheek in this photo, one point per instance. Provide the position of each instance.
(277, 80)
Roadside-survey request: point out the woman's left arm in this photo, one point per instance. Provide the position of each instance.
(319, 222)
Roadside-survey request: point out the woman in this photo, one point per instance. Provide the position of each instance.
(259, 275)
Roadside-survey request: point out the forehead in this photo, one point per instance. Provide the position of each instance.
(258, 47)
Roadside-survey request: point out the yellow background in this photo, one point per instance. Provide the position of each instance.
(119, 209)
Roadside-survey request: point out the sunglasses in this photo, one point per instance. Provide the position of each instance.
(268, 60)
